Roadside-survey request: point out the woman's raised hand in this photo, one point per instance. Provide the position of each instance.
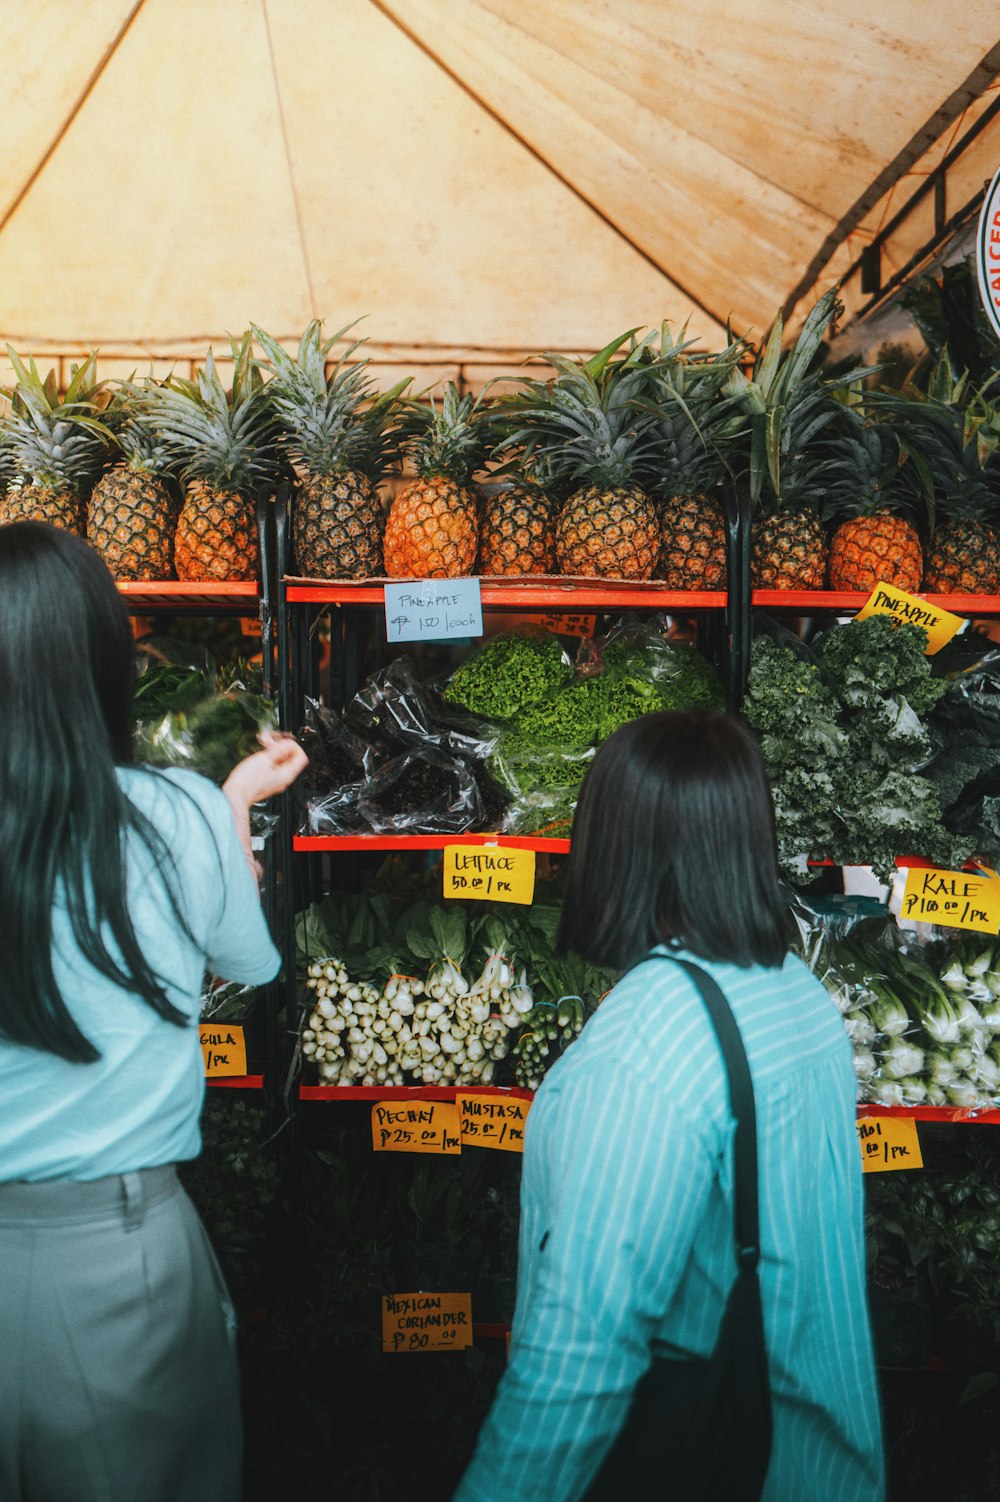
(268, 771)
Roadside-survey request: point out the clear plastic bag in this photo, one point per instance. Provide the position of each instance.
(543, 786)
(423, 791)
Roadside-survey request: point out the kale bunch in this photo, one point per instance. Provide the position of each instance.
(846, 748)
(508, 673)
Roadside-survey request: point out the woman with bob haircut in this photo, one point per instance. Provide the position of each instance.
(119, 888)
(626, 1242)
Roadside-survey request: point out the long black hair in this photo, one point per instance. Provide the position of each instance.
(673, 841)
(66, 675)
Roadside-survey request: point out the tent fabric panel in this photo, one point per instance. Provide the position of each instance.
(435, 224)
(817, 86)
(693, 210)
(50, 53)
(181, 148)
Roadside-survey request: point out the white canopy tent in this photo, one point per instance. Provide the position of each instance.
(475, 178)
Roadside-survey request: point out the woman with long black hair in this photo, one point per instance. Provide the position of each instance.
(626, 1249)
(119, 887)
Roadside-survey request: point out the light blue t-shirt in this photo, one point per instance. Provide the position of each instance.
(626, 1236)
(138, 1105)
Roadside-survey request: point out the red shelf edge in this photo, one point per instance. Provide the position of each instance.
(238, 1082)
(831, 599)
(570, 595)
(408, 1092)
(544, 843)
(958, 1114)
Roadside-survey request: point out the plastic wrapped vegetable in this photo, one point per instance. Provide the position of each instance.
(422, 791)
(508, 673)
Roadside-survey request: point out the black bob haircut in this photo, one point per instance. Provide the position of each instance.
(673, 842)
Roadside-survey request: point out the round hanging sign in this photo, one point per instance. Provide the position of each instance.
(988, 253)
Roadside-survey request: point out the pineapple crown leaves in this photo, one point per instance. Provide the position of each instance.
(331, 423)
(866, 464)
(697, 426)
(951, 456)
(227, 440)
(52, 442)
(131, 417)
(450, 439)
(587, 425)
(789, 403)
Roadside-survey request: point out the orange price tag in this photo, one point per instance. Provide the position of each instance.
(427, 1126)
(493, 1121)
(223, 1049)
(426, 1322)
(888, 1143)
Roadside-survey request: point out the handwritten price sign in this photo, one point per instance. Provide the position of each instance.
(940, 625)
(493, 1121)
(493, 873)
(223, 1050)
(433, 610)
(430, 1127)
(426, 1322)
(956, 899)
(888, 1143)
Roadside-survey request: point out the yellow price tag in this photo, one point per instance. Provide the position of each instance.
(494, 873)
(493, 1121)
(956, 899)
(427, 1126)
(223, 1048)
(426, 1322)
(888, 1143)
(940, 625)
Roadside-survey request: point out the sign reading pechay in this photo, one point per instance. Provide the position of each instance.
(427, 1126)
(956, 899)
(493, 1121)
(888, 1143)
(426, 1322)
(568, 623)
(494, 873)
(939, 624)
(988, 254)
(433, 610)
(223, 1049)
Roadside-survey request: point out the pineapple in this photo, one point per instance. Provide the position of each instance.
(131, 515)
(695, 433)
(432, 531)
(223, 447)
(789, 406)
(340, 438)
(588, 425)
(956, 439)
(518, 534)
(964, 555)
(875, 543)
(54, 449)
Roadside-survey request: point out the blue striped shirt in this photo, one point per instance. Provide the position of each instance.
(626, 1236)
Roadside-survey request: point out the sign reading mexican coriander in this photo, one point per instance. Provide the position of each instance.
(988, 254)
(433, 610)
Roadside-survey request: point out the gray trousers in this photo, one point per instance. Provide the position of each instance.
(118, 1375)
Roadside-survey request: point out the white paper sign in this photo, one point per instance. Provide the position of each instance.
(988, 254)
(433, 610)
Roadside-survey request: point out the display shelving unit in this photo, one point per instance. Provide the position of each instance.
(301, 602)
(819, 602)
(245, 597)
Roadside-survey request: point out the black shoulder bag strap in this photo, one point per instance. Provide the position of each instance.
(699, 1428)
